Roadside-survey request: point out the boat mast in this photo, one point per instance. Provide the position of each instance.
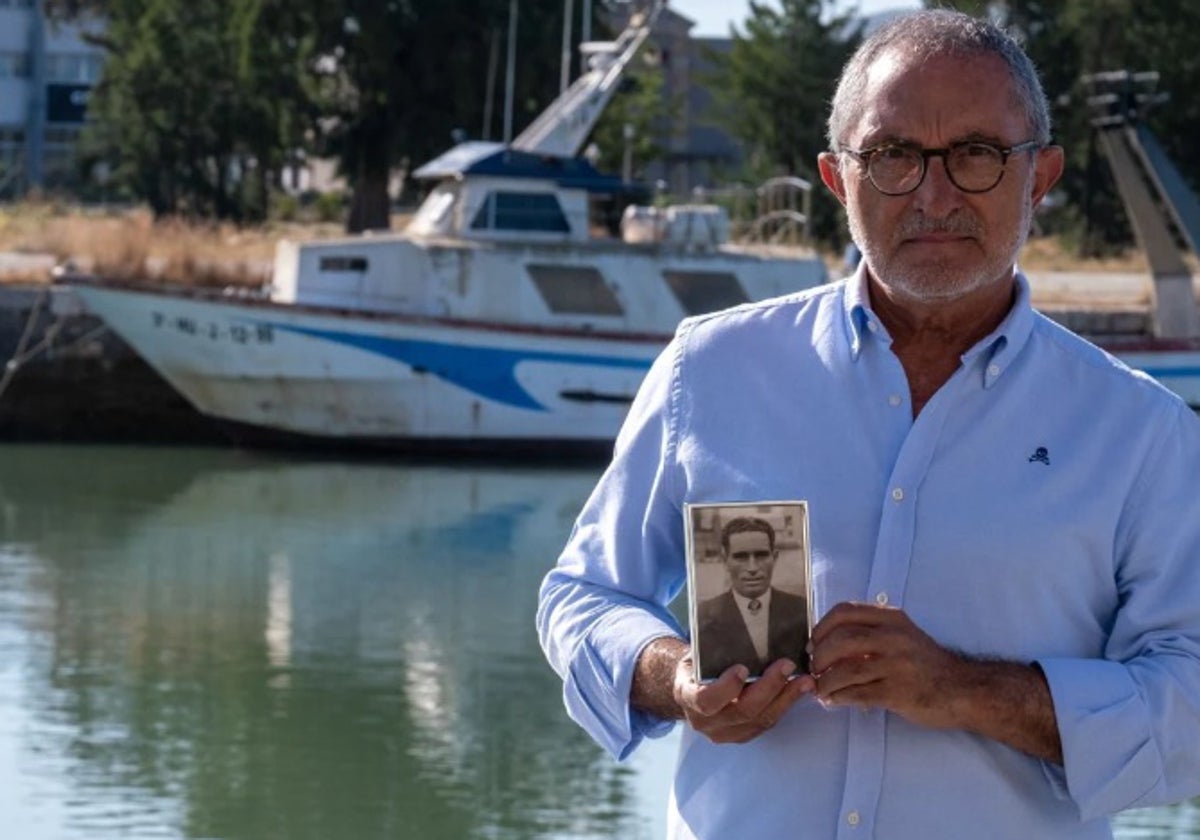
(510, 70)
(562, 128)
(565, 76)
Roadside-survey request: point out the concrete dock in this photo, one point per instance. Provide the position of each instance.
(65, 377)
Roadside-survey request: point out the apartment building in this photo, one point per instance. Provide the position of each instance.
(47, 71)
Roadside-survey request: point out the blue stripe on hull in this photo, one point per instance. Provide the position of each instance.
(1174, 373)
(489, 372)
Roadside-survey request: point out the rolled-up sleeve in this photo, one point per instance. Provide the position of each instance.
(607, 597)
(1130, 723)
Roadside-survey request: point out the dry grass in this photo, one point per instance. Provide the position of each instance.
(130, 245)
(1048, 254)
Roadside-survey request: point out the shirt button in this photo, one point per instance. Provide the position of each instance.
(894, 400)
(897, 495)
(881, 599)
(852, 818)
(993, 370)
(872, 326)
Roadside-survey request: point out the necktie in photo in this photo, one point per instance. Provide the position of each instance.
(754, 606)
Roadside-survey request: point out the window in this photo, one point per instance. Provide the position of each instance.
(14, 65)
(572, 290)
(521, 211)
(344, 263)
(82, 68)
(705, 291)
(434, 215)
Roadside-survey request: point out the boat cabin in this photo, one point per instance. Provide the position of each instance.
(492, 192)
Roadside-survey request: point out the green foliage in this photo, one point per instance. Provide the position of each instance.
(774, 87)
(199, 102)
(644, 105)
(202, 103)
(402, 76)
(1070, 38)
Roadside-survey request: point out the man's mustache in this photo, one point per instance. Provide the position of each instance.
(958, 223)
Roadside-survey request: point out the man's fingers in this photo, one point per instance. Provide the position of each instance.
(853, 613)
(730, 710)
(740, 725)
(792, 691)
(854, 641)
(869, 695)
(710, 698)
(763, 691)
(848, 672)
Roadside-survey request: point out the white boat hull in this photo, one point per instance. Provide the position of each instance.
(389, 378)
(346, 377)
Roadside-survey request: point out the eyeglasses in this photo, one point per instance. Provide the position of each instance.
(973, 167)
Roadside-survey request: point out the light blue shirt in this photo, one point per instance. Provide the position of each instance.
(1044, 506)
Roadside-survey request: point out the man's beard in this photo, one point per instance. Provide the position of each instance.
(931, 280)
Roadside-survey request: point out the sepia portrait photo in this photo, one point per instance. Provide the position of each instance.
(749, 585)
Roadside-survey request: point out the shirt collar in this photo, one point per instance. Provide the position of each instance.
(744, 603)
(996, 351)
(859, 316)
(998, 348)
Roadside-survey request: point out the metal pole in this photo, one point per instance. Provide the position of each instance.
(627, 133)
(489, 100)
(511, 71)
(565, 77)
(35, 140)
(585, 33)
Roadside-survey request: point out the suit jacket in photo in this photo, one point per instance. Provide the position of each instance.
(724, 639)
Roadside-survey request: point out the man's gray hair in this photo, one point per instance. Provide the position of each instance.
(933, 32)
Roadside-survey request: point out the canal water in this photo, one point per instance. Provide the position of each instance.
(200, 643)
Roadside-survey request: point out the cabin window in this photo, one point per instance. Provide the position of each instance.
(574, 290)
(705, 291)
(521, 211)
(344, 263)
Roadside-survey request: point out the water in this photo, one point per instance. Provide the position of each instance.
(213, 644)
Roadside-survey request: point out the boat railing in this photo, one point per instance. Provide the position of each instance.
(779, 211)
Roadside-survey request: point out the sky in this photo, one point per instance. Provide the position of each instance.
(713, 17)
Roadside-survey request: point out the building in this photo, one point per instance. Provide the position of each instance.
(47, 70)
(699, 153)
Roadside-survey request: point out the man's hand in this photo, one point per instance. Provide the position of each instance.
(876, 657)
(733, 711)
(728, 710)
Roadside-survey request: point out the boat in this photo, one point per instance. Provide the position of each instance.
(501, 320)
(509, 314)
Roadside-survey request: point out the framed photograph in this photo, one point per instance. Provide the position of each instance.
(749, 585)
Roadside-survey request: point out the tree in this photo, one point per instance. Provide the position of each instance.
(404, 76)
(1068, 39)
(200, 102)
(643, 105)
(775, 85)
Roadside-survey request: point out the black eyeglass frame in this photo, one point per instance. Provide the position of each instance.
(864, 156)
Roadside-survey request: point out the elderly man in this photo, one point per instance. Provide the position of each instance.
(1005, 523)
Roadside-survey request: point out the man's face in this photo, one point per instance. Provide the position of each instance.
(938, 242)
(750, 562)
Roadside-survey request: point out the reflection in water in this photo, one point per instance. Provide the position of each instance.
(210, 644)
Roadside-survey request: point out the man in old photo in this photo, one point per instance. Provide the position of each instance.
(1008, 646)
(752, 622)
